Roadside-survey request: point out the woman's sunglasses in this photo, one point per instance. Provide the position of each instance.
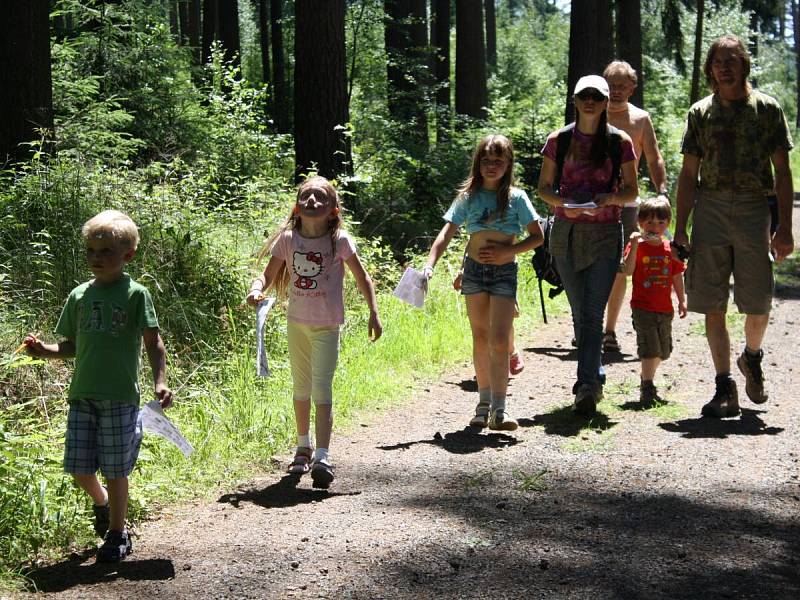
(590, 95)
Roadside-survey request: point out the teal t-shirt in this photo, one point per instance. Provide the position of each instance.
(479, 212)
(106, 322)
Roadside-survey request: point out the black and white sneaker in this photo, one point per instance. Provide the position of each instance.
(116, 547)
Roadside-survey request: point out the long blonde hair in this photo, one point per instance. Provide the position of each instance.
(491, 145)
(294, 222)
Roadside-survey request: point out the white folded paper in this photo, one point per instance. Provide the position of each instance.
(581, 205)
(412, 288)
(155, 421)
(261, 351)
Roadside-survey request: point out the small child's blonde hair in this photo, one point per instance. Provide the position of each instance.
(115, 225)
(655, 207)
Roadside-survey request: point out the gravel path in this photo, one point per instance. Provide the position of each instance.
(652, 504)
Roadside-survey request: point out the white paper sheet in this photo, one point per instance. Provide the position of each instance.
(411, 288)
(155, 421)
(586, 205)
(261, 351)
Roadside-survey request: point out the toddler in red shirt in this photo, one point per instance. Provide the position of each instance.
(649, 258)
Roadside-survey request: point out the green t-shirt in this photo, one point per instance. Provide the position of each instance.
(106, 323)
(735, 142)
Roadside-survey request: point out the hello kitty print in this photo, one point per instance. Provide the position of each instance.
(306, 265)
(316, 272)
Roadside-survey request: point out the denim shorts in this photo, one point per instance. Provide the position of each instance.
(495, 280)
(102, 435)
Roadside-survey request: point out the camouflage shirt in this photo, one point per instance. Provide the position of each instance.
(735, 142)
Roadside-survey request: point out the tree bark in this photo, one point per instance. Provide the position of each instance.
(262, 6)
(210, 28)
(590, 44)
(442, 69)
(405, 39)
(697, 59)
(280, 100)
(491, 35)
(26, 94)
(320, 84)
(629, 41)
(183, 21)
(229, 29)
(471, 93)
(193, 29)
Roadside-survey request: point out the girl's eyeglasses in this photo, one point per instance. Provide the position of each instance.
(590, 95)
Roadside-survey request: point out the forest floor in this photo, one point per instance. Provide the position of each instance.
(656, 503)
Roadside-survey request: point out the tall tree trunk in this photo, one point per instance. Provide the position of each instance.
(172, 9)
(697, 59)
(796, 32)
(491, 35)
(229, 29)
(320, 85)
(183, 21)
(280, 100)
(193, 29)
(471, 94)
(262, 6)
(590, 43)
(629, 41)
(405, 39)
(26, 94)
(442, 69)
(210, 28)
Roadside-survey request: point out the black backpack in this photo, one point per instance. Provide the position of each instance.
(544, 265)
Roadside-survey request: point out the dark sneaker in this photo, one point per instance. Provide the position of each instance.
(648, 394)
(610, 343)
(585, 401)
(116, 547)
(750, 366)
(501, 421)
(481, 418)
(725, 402)
(101, 519)
(321, 474)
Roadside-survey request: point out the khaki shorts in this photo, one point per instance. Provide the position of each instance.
(653, 333)
(730, 236)
(630, 223)
(313, 354)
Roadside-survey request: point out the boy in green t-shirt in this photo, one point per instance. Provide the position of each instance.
(103, 322)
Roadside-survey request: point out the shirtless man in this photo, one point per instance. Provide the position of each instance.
(636, 123)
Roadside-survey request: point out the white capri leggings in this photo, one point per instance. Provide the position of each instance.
(313, 354)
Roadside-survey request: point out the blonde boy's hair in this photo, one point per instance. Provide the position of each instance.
(623, 68)
(655, 207)
(115, 225)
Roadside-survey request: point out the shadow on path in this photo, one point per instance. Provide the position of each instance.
(72, 572)
(281, 494)
(749, 423)
(569, 353)
(561, 421)
(466, 441)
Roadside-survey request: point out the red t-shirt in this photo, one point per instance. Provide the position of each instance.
(652, 279)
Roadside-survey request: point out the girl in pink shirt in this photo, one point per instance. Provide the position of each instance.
(307, 264)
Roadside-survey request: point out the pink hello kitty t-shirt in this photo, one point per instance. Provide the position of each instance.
(316, 276)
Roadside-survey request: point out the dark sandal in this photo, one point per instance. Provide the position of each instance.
(301, 463)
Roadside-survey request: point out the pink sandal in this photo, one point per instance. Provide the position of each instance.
(301, 463)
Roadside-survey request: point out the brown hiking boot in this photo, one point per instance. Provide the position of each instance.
(725, 402)
(750, 366)
(648, 394)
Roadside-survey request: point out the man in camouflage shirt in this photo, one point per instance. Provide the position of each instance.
(733, 140)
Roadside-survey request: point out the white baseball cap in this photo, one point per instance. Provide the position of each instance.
(591, 81)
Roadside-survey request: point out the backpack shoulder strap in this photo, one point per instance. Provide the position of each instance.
(562, 147)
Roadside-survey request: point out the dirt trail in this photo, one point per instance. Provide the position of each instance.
(643, 504)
